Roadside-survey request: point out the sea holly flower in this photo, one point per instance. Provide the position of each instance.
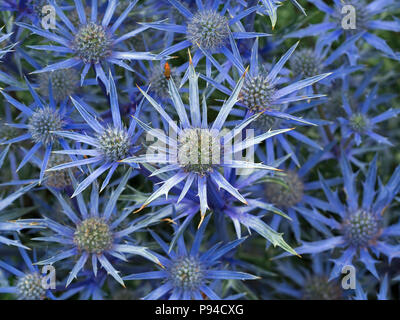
(96, 235)
(42, 119)
(29, 283)
(366, 21)
(353, 112)
(310, 283)
(308, 62)
(111, 142)
(260, 91)
(291, 191)
(360, 227)
(188, 274)
(153, 76)
(201, 162)
(195, 154)
(93, 43)
(158, 82)
(209, 28)
(358, 121)
(64, 83)
(59, 179)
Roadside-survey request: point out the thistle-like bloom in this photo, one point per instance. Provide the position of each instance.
(60, 179)
(360, 226)
(209, 28)
(336, 24)
(187, 274)
(310, 283)
(292, 191)
(95, 234)
(64, 83)
(154, 77)
(42, 120)
(158, 81)
(358, 121)
(197, 152)
(111, 142)
(308, 62)
(260, 91)
(29, 284)
(92, 43)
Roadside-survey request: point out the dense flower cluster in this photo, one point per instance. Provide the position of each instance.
(192, 149)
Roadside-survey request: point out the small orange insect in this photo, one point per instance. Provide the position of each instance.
(167, 71)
